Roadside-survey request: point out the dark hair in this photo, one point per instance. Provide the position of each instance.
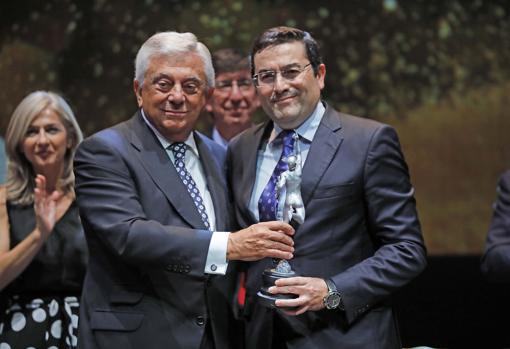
(281, 35)
(229, 60)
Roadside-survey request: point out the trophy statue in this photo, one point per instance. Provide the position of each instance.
(293, 210)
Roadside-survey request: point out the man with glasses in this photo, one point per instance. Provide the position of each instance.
(360, 240)
(155, 208)
(234, 99)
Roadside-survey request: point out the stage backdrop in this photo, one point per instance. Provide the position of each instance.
(437, 70)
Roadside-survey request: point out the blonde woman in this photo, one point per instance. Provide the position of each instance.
(42, 247)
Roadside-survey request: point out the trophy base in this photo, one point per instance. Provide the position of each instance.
(269, 276)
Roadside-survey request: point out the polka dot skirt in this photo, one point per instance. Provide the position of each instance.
(49, 323)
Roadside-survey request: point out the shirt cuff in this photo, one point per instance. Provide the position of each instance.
(216, 262)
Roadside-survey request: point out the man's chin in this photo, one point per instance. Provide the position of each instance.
(283, 113)
(237, 119)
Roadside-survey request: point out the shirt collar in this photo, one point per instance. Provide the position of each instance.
(190, 141)
(307, 129)
(218, 138)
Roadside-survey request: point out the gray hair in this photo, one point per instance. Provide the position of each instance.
(20, 174)
(172, 43)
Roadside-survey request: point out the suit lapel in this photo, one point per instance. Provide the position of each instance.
(254, 144)
(325, 145)
(159, 167)
(215, 182)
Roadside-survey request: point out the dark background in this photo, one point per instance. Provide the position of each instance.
(436, 70)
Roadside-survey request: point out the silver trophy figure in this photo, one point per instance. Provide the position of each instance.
(289, 184)
(291, 181)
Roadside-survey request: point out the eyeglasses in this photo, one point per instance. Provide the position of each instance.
(227, 85)
(268, 77)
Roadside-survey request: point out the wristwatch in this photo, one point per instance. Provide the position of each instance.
(333, 299)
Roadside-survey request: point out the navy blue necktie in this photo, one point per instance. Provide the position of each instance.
(268, 201)
(179, 150)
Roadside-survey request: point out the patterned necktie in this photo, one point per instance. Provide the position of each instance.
(268, 201)
(179, 150)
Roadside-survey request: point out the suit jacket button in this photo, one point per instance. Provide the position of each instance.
(214, 267)
(200, 320)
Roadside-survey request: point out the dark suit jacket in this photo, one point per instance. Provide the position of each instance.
(145, 286)
(496, 260)
(361, 229)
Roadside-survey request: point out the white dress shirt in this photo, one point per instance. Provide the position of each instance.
(216, 262)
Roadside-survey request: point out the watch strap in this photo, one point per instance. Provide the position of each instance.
(333, 290)
(331, 285)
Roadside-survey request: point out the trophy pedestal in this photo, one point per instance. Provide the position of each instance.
(269, 276)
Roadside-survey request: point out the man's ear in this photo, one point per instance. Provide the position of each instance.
(321, 75)
(138, 92)
(208, 98)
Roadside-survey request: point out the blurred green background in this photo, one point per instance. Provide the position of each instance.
(436, 70)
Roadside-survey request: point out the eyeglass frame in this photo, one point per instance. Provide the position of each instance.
(257, 84)
(230, 85)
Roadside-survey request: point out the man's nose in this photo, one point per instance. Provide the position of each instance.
(176, 94)
(235, 93)
(280, 84)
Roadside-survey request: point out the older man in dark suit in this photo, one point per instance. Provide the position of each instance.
(496, 259)
(361, 239)
(154, 206)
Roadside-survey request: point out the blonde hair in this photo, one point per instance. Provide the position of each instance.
(20, 174)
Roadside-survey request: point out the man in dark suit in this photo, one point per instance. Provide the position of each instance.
(234, 99)
(154, 206)
(360, 240)
(496, 259)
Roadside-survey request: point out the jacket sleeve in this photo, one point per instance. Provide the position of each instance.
(496, 259)
(392, 222)
(112, 212)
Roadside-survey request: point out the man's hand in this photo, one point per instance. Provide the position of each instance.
(310, 292)
(261, 240)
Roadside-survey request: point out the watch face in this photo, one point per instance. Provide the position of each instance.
(333, 301)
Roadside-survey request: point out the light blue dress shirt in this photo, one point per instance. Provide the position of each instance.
(218, 138)
(268, 158)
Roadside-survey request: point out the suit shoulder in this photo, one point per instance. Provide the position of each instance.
(352, 121)
(359, 128)
(112, 136)
(248, 135)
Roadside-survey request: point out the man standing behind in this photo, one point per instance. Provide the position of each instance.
(360, 240)
(234, 98)
(154, 206)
